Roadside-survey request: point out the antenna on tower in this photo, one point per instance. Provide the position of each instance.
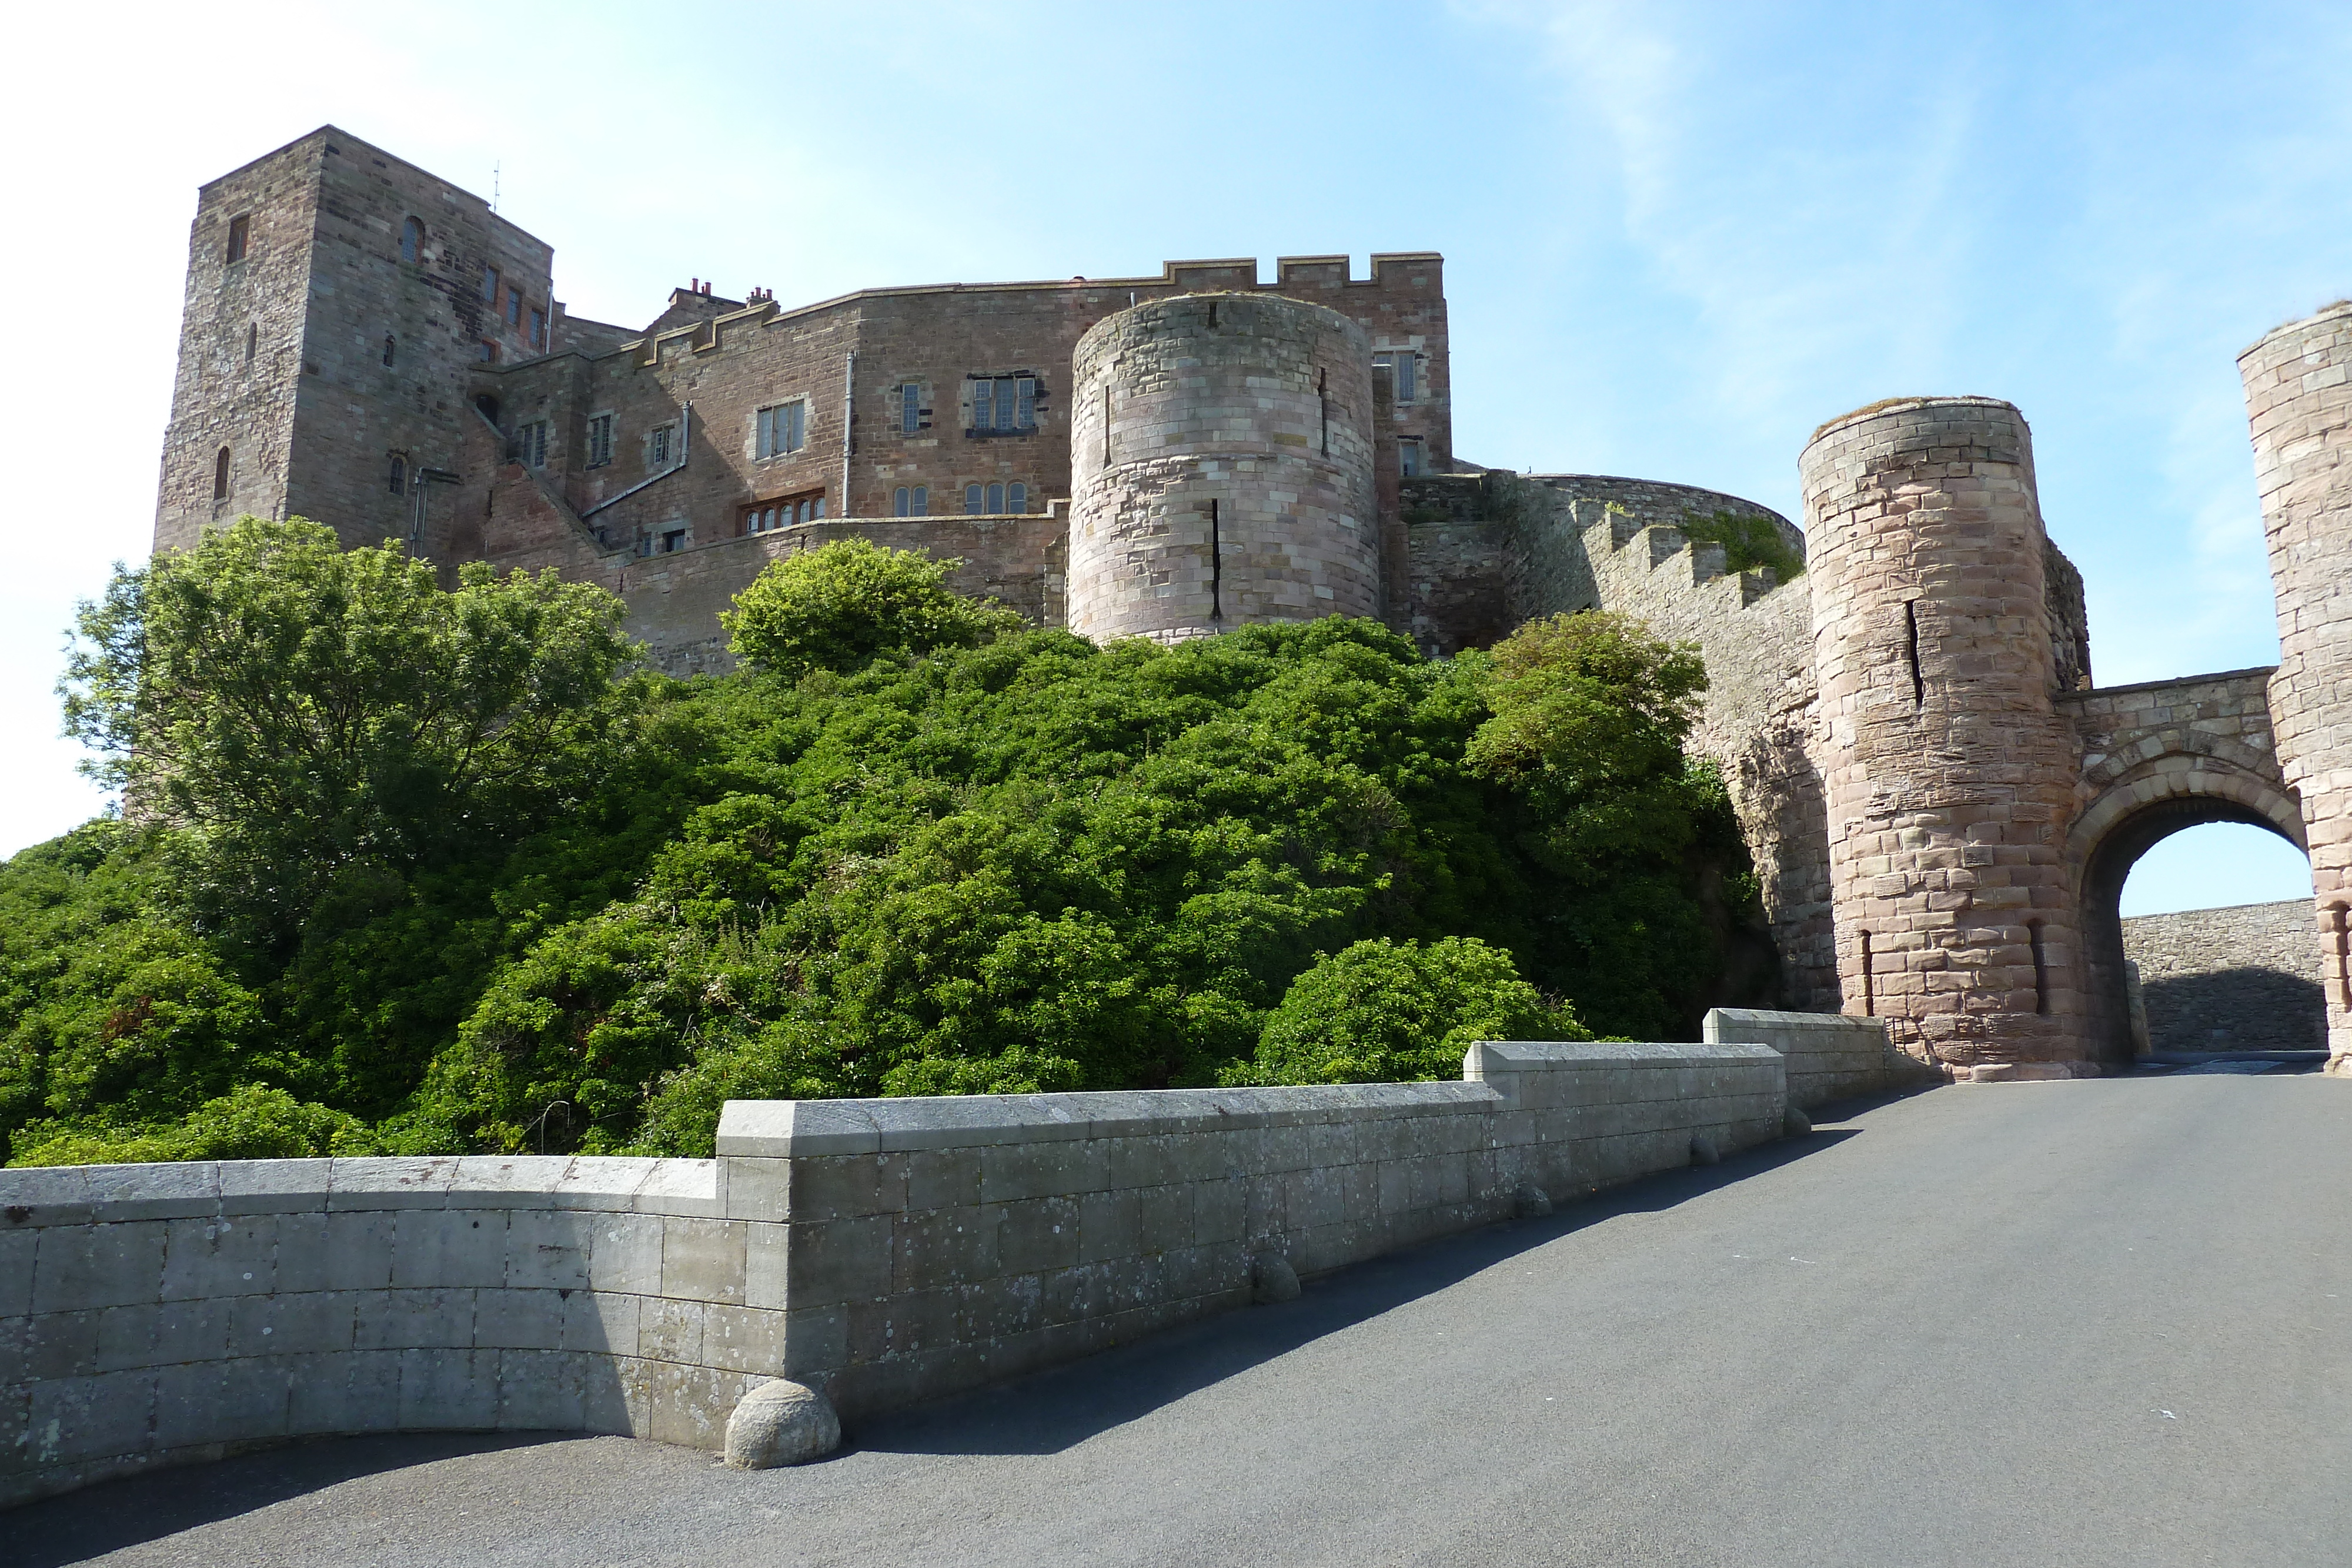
(496, 167)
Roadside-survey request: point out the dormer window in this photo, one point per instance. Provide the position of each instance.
(240, 235)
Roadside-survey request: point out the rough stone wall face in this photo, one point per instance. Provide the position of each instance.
(220, 397)
(2242, 979)
(2298, 383)
(1222, 468)
(2070, 620)
(1949, 776)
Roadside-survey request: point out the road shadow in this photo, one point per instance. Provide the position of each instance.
(1047, 1412)
(76, 1526)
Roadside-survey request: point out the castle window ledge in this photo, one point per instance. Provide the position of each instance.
(976, 434)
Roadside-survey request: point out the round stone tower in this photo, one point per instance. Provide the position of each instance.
(1949, 775)
(2299, 403)
(1221, 457)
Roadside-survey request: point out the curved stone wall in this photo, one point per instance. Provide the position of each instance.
(2298, 383)
(154, 1314)
(1221, 455)
(1949, 776)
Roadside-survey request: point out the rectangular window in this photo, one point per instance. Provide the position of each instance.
(659, 452)
(911, 409)
(1408, 458)
(530, 444)
(538, 329)
(240, 235)
(780, 429)
(673, 540)
(1003, 404)
(600, 441)
(490, 284)
(514, 309)
(489, 351)
(1404, 369)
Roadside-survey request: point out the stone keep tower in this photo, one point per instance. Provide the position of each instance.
(338, 302)
(1221, 457)
(2298, 383)
(1949, 776)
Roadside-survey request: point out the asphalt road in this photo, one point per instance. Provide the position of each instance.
(2094, 1322)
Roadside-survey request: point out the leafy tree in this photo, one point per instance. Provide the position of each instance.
(843, 605)
(1388, 1012)
(1590, 712)
(301, 710)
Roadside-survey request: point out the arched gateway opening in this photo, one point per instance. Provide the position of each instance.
(2113, 840)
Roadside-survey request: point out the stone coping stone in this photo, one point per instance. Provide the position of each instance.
(185, 1189)
(781, 1129)
(1721, 1022)
(1490, 1056)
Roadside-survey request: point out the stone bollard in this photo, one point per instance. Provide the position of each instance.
(780, 1423)
(1703, 1150)
(1529, 1201)
(1272, 1279)
(1795, 1123)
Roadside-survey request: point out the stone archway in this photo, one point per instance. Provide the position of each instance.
(2162, 795)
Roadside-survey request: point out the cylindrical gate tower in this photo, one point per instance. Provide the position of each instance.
(1949, 773)
(2299, 403)
(1221, 457)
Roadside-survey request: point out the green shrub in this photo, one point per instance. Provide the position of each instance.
(1392, 1012)
(923, 852)
(252, 1123)
(843, 605)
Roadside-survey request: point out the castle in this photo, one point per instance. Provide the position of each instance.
(1941, 806)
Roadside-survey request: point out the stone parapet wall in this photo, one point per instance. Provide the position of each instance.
(882, 1251)
(154, 1314)
(1830, 1056)
(937, 1244)
(2246, 978)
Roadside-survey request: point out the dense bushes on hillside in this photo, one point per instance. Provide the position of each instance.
(503, 901)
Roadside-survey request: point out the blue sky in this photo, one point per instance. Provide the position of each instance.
(1678, 236)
